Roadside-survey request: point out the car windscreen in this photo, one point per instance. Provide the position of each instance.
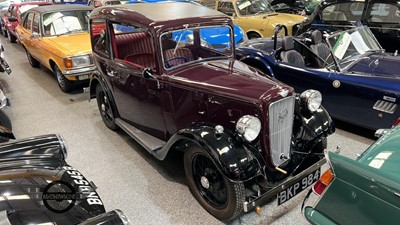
(195, 44)
(65, 22)
(349, 46)
(254, 7)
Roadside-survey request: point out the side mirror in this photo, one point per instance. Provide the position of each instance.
(148, 74)
(12, 19)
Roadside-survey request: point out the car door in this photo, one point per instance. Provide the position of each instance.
(138, 99)
(26, 32)
(383, 18)
(358, 99)
(35, 39)
(303, 78)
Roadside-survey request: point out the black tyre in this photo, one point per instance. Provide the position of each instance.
(220, 197)
(5, 122)
(253, 35)
(3, 30)
(64, 84)
(105, 108)
(11, 37)
(32, 61)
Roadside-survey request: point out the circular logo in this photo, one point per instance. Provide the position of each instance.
(336, 83)
(59, 196)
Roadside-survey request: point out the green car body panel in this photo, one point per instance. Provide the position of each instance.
(365, 191)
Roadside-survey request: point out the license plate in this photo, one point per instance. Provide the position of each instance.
(298, 187)
(83, 77)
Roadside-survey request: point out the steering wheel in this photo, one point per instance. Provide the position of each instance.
(167, 65)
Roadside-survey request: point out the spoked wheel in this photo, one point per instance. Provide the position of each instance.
(105, 108)
(32, 61)
(64, 84)
(11, 37)
(219, 196)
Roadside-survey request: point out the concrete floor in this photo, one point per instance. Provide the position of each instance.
(147, 190)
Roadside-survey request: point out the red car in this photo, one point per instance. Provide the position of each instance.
(14, 14)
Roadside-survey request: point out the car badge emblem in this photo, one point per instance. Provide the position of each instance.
(282, 115)
(283, 92)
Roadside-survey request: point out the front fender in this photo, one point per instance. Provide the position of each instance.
(232, 158)
(316, 125)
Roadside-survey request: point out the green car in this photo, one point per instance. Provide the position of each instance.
(362, 191)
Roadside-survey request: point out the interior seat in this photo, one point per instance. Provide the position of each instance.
(321, 49)
(181, 55)
(289, 54)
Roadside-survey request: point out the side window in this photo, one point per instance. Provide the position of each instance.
(384, 13)
(99, 37)
(226, 7)
(14, 11)
(35, 24)
(133, 45)
(28, 21)
(343, 12)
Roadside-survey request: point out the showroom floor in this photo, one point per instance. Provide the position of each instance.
(128, 178)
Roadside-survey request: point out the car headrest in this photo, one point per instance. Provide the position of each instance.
(287, 43)
(316, 37)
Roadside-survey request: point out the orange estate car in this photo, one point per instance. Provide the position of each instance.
(58, 38)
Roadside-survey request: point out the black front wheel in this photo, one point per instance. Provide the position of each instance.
(105, 108)
(220, 197)
(5, 122)
(64, 84)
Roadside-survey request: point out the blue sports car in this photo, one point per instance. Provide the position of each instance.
(359, 81)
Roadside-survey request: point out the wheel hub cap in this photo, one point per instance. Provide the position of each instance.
(204, 182)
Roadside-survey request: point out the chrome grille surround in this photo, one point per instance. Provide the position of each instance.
(281, 114)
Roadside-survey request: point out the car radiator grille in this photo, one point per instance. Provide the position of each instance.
(280, 129)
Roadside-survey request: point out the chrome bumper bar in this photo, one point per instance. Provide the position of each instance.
(250, 205)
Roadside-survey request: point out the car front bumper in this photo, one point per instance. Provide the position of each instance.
(250, 205)
(75, 73)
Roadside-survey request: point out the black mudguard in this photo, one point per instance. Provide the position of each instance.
(316, 125)
(230, 155)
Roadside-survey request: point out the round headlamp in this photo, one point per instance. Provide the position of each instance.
(249, 127)
(312, 99)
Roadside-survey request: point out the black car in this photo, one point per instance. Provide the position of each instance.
(37, 186)
(383, 18)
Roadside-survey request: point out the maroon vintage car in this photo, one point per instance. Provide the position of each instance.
(245, 137)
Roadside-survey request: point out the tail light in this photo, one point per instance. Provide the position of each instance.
(397, 122)
(323, 182)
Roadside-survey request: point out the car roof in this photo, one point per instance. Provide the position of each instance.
(31, 3)
(163, 13)
(52, 8)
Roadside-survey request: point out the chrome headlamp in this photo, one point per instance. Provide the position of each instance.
(312, 99)
(78, 61)
(249, 127)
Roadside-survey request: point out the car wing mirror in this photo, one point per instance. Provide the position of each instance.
(148, 74)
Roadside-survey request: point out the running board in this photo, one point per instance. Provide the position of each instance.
(150, 143)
